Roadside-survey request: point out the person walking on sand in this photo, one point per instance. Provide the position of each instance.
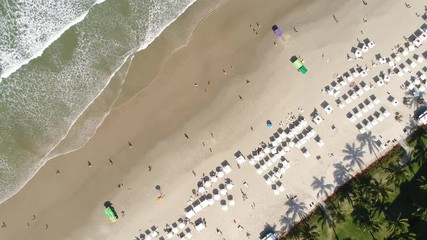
(149, 168)
(111, 161)
(57, 172)
(241, 98)
(89, 164)
(335, 18)
(130, 145)
(4, 225)
(223, 70)
(34, 217)
(46, 226)
(186, 136)
(258, 25)
(295, 30)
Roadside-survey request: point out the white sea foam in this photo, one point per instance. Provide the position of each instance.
(81, 81)
(156, 29)
(31, 26)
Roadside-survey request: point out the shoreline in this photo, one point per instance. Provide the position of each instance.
(216, 118)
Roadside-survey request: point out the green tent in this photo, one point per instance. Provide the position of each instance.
(297, 63)
(302, 69)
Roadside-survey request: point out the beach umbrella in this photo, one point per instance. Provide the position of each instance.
(216, 195)
(210, 199)
(269, 124)
(230, 186)
(224, 205)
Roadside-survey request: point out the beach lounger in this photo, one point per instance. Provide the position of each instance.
(258, 168)
(188, 234)
(319, 141)
(384, 112)
(318, 119)
(275, 189)
(378, 116)
(364, 48)
(280, 186)
(199, 223)
(362, 107)
(305, 152)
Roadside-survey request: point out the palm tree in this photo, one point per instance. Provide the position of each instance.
(294, 233)
(369, 140)
(372, 226)
(420, 151)
(423, 183)
(378, 191)
(399, 236)
(346, 192)
(322, 186)
(341, 174)
(325, 217)
(354, 155)
(421, 212)
(338, 215)
(309, 232)
(398, 225)
(360, 214)
(396, 175)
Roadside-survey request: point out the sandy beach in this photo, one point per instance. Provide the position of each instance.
(211, 99)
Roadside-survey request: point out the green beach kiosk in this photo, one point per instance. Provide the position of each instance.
(298, 65)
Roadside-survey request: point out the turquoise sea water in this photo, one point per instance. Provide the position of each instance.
(56, 58)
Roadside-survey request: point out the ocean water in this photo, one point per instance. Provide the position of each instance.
(62, 65)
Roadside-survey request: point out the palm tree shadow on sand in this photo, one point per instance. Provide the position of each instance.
(296, 209)
(341, 173)
(369, 140)
(321, 187)
(353, 155)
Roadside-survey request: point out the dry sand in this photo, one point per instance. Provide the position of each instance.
(156, 119)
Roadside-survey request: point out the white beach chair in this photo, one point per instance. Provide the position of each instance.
(227, 169)
(365, 48)
(190, 214)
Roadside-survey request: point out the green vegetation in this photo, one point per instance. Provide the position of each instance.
(386, 201)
